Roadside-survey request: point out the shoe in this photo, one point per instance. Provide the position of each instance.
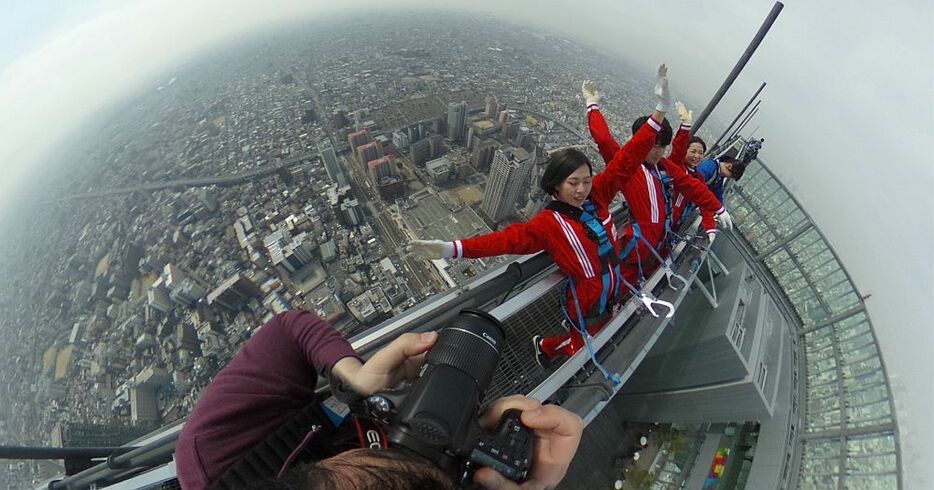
(541, 358)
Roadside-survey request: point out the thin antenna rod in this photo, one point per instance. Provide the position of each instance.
(773, 14)
(744, 121)
(751, 115)
(739, 115)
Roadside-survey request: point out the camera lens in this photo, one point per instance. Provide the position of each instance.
(471, 343)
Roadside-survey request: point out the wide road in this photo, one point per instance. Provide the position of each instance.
(219, 180)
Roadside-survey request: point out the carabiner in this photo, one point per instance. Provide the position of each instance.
(649, 302)
(670, 274)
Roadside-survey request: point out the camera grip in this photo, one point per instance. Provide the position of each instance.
(508, 449)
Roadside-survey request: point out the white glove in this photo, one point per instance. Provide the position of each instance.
(724, 220)
(686, 116)
(590, 93)
(432, 249)
(711, 236)
(662, 96)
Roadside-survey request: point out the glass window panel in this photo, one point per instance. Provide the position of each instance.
(844, 303)
(867, 395)
(856, 341)
(821, 466)
(822, 449)
(869, 412)
(881, 463)
(807, 239)
(826, 388)
(819, 378)
(822, 405)
(824, 364)
(821, 482)
(856, 424)
(824, 420)
(867, 379)
(859, 354)
(848, 332)
(824, 331)
(870, 444)
(871, 482)
(831, 277)
(815, 355)
(851, 321)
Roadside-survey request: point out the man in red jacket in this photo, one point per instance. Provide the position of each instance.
(648, 193)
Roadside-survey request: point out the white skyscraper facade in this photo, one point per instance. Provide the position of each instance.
(508, 179)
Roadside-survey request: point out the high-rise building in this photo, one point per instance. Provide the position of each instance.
(436, 145)
(457, 121)
(511, 129)
(357, 139)
(524, 138)
(291, 253)
(351, 212)
(386, 176)
(331, 165)
(76, 434)
(369, 151)
(490, 107)
(400, 139)
(508, 177)
(234, 292)
(183, 287)
(414, 133)
(483, 154)
(420, 152)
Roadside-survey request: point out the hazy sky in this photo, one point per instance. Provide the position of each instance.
(847, 115)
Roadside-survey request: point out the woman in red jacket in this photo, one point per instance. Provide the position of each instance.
(576, 229)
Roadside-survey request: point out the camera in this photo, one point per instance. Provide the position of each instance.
(436, 415)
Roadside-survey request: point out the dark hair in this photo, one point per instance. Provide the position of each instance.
(737, 167)
(363, 469)
(697, 139)
(663, 138)
(562, 163)
(737, 170)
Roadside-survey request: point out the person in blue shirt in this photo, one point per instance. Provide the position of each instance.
(716, 171)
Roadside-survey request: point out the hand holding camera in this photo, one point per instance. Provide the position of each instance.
(435, 416)
(557, 433)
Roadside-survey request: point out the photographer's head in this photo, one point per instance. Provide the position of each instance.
(363, 469)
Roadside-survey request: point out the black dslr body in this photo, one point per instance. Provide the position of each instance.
(435, 416)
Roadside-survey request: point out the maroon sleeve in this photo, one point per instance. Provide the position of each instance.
(265, 384)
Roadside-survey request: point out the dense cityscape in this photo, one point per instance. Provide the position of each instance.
(289, 171)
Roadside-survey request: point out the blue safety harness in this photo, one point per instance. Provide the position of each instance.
(637, 235)
(609, 270)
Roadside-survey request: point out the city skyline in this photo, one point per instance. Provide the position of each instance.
(869, 275)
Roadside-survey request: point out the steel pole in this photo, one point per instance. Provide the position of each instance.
(773, 14)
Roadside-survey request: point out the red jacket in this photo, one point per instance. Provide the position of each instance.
(644, 192)
(565, 239)
(679, 201)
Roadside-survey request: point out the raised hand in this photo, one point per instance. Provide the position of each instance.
(686, 116)
(662, 97)
(590, 93)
